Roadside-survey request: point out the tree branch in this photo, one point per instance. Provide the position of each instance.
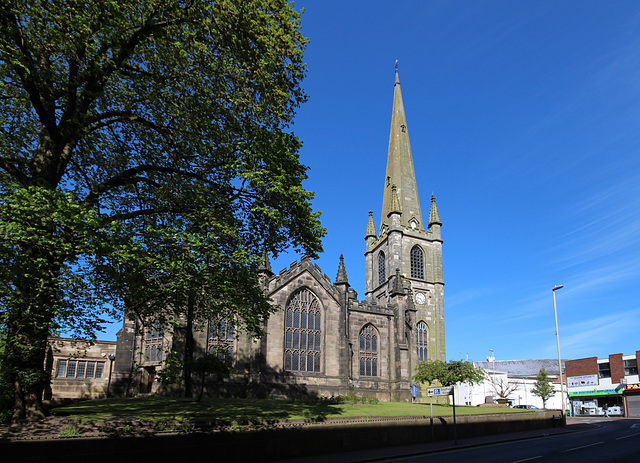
(10, 27)
(132, 176)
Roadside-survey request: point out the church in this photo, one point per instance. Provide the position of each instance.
(323, 340)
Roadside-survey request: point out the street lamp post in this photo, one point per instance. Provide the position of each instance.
(493, 364)
(555, 312)
(112, 357)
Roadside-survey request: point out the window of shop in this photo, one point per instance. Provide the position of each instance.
(630, 367)
(594, 406)
(604, 370)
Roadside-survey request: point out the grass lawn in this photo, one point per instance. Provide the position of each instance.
(168, 409)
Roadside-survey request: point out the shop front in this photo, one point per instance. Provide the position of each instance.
(632, 399)
(592, 402)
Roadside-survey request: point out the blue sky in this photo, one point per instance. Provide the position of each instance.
(524, 119)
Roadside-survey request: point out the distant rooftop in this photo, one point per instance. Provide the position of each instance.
(522, 368)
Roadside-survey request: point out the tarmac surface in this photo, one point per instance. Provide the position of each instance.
(576, 424)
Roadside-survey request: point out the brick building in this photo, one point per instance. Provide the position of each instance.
(613, 381)
(515, 380)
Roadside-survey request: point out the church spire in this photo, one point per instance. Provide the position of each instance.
(342, 272)
(400, 170)
(371, 227)
(394, 205)
(434, 217)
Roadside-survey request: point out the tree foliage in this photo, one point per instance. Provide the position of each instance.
(543, 387)
(448, 373)
(145, 159)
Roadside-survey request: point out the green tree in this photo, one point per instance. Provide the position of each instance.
(209, 365)
(131, 132)
(543, 387)
(448, 373)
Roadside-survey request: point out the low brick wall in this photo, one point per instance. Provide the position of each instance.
(279, 442)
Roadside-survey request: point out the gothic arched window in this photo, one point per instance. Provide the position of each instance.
(417, 263)
(220, 339)
(368, 351)
(302, 333)
(382, 272)
(153, 342)
(423, 341)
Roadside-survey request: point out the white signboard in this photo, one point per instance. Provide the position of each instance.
(585, 380)
(439, 391)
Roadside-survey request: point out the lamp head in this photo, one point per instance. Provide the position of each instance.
(557, 287)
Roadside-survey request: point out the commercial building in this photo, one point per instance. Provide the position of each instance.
(511, 382)
(613, 382)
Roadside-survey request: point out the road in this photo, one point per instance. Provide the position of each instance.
(604, 441)
(609, 441)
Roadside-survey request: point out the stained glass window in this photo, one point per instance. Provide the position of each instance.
(153, 342)
(302, 333)
(220, 339)
(368, 351)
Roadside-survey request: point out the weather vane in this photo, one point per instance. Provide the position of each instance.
(396, 65)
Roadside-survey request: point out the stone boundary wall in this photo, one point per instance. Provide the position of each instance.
(277, 443)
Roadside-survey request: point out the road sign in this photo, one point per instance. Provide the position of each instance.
(439, 391)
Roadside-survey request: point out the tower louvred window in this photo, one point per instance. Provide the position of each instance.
(417, 263)
(422, 341)
(382, 271)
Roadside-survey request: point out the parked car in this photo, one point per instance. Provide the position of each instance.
(527, 407)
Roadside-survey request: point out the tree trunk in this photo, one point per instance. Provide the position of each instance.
(202, 378)
(28, 322)
(23, 367)
(188, 347)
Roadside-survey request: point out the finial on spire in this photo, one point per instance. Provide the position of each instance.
(396, 65)
(434, 217)
(342, 272)
(371, 227)
(394, 206)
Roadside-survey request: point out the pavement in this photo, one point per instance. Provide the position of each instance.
(577, 424)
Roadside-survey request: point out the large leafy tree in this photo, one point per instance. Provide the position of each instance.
(145, 155)
(448, 373)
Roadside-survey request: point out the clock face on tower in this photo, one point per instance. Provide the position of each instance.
(421, 298)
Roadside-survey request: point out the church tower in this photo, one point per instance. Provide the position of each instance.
(407, 246)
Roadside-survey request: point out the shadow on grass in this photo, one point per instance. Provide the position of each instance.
(222, 410)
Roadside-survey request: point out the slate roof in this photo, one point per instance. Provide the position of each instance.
(522, 368)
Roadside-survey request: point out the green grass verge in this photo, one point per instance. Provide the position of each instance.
(166, 409)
